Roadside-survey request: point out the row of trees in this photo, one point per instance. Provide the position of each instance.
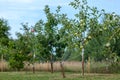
(92, 33)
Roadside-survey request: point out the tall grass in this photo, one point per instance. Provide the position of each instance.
(4, 66)
(72, 66)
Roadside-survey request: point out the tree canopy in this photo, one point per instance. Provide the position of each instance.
(63, 38)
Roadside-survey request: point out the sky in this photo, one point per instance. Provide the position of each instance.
(22, 11)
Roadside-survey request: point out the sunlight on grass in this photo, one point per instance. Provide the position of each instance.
(55, 76)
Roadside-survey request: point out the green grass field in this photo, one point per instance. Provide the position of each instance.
(55, 76)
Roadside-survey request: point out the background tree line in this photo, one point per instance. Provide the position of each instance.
(61, 38)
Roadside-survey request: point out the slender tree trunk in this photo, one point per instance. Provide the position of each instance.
(51, 62)
(83, 62)
(33, 63)
(51, 67)
(62, 70)
(33, 68)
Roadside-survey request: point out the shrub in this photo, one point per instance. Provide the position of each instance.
(16, 61)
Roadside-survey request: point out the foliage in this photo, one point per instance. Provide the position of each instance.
(4, 32)
(93, 29)
(4, 37)
(62, 38)
(16, 57)
(16, 61)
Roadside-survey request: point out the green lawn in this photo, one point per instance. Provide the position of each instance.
(55, 76)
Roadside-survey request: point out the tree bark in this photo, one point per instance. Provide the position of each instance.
(83, 62)
(51, 67)
(62, 70)
(33, 68)
(51, 62)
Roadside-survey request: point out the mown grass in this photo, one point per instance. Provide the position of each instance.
(55, 76)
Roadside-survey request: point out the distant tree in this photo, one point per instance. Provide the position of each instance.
(4, 32)
(4, 38)
(20, 48)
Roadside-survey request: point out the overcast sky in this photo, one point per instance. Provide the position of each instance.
(21, 11)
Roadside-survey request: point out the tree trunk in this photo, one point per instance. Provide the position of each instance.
(51, 62)
(33, 68)
(83, 62)
(62, 69)
(51, 67)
